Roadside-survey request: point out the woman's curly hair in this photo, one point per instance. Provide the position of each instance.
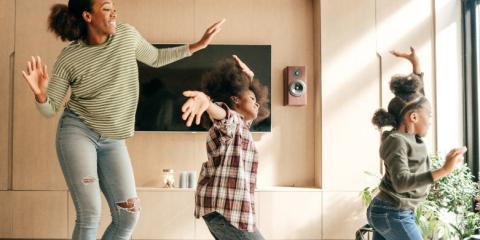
(66, 21)
(227, 79)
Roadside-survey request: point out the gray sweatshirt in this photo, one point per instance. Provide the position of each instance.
(408, 177)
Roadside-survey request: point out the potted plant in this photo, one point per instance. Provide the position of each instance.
(448, 212)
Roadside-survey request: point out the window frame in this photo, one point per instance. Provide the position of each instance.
(470, 78)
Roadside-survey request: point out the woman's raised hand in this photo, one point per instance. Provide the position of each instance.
(37, 78)
(207, 36)
(195, 106)
(244, 67)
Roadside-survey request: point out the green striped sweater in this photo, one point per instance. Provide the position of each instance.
(104, 80)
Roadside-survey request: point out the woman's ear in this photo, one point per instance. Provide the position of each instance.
(87, 17)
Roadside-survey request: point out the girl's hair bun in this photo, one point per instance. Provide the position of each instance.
(382, 118)
(402, 85)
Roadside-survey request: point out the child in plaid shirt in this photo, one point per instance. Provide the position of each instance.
(226, 186)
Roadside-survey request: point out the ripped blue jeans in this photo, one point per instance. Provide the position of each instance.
(92, 164)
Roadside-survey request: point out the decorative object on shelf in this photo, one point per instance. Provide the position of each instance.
(183, 179)
(192, 179)
(168, 178)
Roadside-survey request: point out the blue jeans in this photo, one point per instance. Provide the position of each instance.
(222, 229)
(392, 223)
(91, 164)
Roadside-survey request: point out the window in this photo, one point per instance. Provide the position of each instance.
(471, 43)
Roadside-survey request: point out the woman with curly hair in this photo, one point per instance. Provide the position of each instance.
(99, 66)
(408, 176)
(226, 186)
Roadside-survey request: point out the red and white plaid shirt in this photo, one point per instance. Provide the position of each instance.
(227, 180)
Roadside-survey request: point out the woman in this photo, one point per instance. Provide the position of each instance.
(99, 66)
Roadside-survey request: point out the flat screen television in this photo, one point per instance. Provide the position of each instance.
(160, 101)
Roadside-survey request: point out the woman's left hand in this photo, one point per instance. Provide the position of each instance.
(207, 37)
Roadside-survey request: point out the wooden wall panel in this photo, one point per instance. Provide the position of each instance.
(166, 215)
(6, 214)
(338, 220)
(35, 164)
(202, 231)
(317, 56)
(282, 161)
(34, 214)
(287, 153)
(350, 93)
(396, 29)
(160, 21)
(290, 215)
(7, 11)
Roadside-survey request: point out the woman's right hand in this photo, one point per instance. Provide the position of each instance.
(453, 157)
(37, 78)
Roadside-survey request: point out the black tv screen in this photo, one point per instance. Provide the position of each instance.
(160, 101)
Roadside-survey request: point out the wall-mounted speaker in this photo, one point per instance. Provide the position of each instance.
(295, 86)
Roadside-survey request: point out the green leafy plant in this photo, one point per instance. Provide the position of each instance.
(447, 213)
(368, 193)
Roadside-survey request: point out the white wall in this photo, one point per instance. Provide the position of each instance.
(448, 69)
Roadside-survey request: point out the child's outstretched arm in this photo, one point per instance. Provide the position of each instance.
(197, 104)
(411, 57)
(453, 157)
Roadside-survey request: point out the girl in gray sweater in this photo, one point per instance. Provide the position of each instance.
(408, 176)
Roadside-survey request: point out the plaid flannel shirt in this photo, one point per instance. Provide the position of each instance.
(227, 180)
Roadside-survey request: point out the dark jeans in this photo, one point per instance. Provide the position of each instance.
(221, 229)
(392, 223)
